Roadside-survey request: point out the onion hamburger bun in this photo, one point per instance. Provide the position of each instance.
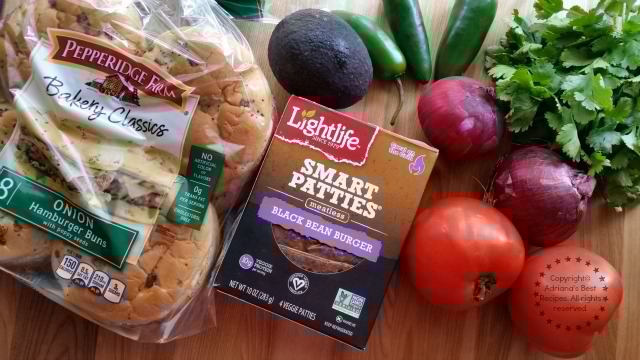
(173, 267)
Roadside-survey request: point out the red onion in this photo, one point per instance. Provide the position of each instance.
(544, 197)
(459, 117)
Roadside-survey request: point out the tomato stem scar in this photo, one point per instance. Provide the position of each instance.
(482, 286)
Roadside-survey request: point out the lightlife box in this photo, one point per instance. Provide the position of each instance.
(320, 235)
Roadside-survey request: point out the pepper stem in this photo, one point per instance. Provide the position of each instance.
(482, 286)
(400, 103)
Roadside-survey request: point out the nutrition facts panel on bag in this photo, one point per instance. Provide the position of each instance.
(86, 276)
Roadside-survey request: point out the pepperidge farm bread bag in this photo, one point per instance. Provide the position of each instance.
(128, 131)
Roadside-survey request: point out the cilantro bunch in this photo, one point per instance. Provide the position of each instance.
(572, 79)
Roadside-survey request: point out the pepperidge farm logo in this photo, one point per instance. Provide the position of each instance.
(125, 74)
(339, 137)
(348, 303)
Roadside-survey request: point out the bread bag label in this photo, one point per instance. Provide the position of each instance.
(98, 145)
(322, 231)
(197, 187)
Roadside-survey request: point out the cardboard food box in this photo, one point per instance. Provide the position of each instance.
(321, 233)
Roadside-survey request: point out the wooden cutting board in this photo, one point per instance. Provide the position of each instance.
(32, 327)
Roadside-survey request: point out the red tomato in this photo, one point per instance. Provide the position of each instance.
(462, 253)
(564, 296)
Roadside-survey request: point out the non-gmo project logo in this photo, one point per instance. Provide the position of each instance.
(348, 303)
(298, 283)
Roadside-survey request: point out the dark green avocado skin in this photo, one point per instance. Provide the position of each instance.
(316, 55)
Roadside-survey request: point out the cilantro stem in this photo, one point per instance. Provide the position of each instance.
(625, 11)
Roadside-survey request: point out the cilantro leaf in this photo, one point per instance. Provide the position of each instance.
(598, 63)
(632, 88)
(590, 90)
(619, 195)
(604, 139)
(506, 89)
(577, 57)
(619, 72)
(611, 82)
(581, 114)
(584, 19)
(546, 8)
(523, 78)
(621, 159)
(568, 138)
(543, 73)
(614, 8)
(576, 12)
(623, 178)
(520, 32)
(627, 55)
(502, 72)
(598, 163)
(528, 47)
(622, 110)
(524, 109)
(631, 139)
(556, 122)
(632, 25)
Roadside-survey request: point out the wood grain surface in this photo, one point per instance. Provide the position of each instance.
(32, 327)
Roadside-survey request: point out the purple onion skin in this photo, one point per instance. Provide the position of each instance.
(544, 197)
(459, 117)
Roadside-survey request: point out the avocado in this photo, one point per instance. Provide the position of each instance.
(318, 56)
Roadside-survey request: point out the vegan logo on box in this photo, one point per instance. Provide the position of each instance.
(315, 127)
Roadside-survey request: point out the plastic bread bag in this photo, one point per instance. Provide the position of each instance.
(131, 131)
(254, 10)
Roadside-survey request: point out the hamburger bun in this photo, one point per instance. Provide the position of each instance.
(24, 246)
(173, 267)
(8, 121)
